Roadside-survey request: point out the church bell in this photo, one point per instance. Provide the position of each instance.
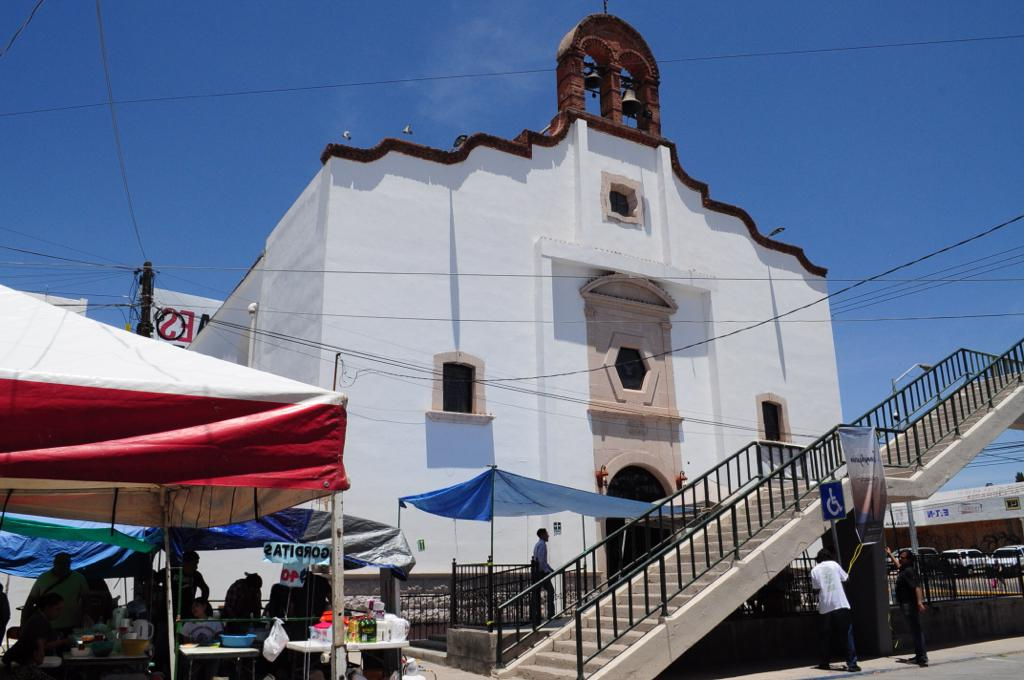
(631, 106)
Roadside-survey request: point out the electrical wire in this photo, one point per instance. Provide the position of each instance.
(507, 73)
(430, 375)
(117, 131)
(22, 27)
(982, 234)
(59, 245)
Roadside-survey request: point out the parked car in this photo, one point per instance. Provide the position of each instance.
(1006, 561)
(964, 561)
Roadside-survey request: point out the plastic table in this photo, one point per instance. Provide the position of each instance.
(317, 647)
(220, 653)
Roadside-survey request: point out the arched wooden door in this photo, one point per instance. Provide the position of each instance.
(634, 483)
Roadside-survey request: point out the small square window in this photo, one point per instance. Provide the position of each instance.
(621, 199)
(619, 203)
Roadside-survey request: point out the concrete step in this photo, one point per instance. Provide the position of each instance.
(590, 646)
(537, 672)
(590, 628)
(568, 661)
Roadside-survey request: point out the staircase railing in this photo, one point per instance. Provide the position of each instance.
(660, 525)
(668, 517)
(702, 547)
(906, 443)
(718, 536)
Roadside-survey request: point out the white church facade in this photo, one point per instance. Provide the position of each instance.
(543, 304)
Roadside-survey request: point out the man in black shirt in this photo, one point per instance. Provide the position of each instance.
(910, 597)
(39, 625)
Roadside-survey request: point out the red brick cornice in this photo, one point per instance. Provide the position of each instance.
(524, 142)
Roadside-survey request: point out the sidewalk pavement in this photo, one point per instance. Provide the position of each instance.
(937, 657)
(885, 664)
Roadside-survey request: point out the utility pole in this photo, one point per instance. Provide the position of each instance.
(145, 326)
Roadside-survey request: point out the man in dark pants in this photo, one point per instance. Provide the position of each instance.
(910, 597)
(540, 568)
(827, 579)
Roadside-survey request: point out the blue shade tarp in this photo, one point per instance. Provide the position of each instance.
(35, 528)
(30, 556)
(518, 496)
(366, 543)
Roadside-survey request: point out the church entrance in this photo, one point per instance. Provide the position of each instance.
(634, 483)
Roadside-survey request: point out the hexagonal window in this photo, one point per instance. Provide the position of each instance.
(630, 366)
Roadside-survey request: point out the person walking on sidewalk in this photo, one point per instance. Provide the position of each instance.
(827, 579)
(540, 569)
(910, 597)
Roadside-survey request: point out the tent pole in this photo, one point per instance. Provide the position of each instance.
(583, 523)
(494, 473)
(399, 514)
(172, 650)
(339, 659)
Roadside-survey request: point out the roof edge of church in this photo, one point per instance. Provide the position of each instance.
(522, 146)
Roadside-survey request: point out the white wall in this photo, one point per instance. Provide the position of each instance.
(498, 213)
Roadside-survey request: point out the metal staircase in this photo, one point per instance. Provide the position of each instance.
(713, 544)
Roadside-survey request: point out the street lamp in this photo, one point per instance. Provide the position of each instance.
(901, 376)
(911, 528)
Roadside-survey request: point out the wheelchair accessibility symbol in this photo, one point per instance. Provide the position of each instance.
(832, 504)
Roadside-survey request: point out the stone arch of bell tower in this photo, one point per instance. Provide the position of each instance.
(613, 46)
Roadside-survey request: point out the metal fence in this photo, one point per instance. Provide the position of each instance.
(477, 588)
(428, 614)
(943, 579)
(946, 579)
(788, 593)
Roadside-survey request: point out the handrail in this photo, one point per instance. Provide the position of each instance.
(931, 385)
(821, 459)
(669, 516)
(731, 474)
(709, 542)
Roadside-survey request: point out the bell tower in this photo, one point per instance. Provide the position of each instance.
(606, 57)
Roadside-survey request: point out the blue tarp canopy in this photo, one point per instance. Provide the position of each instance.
(512, 495)
(367, 544)
(30, 556)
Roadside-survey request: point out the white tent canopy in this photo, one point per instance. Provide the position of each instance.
(104, 425)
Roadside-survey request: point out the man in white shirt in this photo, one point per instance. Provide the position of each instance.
(827, 579)
(539, 568)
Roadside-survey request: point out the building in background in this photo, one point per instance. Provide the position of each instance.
(77, 305)
(178, 317)
(543, 303)
(986, 518)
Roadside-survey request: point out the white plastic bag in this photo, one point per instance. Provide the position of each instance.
(275, 642)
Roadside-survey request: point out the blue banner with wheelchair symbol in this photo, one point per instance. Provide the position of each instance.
(833, 506)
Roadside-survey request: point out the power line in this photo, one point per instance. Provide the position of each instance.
(852, 48)
(592, 322)
(59, 245)
(887, 294)
(926, 279)
(707, 341)
(508, 73)
(117, 132)
(422, 381)
(26, 251)
(22, 27)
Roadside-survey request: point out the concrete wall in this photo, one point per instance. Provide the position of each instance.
(542, 217)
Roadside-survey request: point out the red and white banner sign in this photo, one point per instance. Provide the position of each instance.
(178, 317)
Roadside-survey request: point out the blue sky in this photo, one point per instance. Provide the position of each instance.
(868, 158)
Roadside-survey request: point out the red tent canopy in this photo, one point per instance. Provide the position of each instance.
(102, 424)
